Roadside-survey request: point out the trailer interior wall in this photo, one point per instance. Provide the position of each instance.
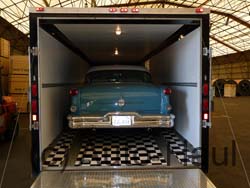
(59, 69)
(180, 66)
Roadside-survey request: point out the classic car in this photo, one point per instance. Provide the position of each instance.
(120, 96)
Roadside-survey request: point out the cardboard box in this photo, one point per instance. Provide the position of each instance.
(4, 63)
(18, 83)
(230, 90)
(22, 102)
(4, 80)
(19, 65)
(4, 48)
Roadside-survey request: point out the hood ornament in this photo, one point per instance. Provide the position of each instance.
(121, 102)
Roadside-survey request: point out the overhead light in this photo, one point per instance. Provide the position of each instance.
(116, 51)
(181, 37)
(118, 30)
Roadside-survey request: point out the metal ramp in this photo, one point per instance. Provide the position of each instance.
(143, 178)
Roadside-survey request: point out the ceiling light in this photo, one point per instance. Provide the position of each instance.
(181, 37)
(118, 30)
(116, 52)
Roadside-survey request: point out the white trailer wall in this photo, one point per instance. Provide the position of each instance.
(180, 66)
(59, 70)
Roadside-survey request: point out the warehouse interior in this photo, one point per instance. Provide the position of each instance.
(229, 164)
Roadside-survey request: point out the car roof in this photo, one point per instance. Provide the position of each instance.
(117, 67)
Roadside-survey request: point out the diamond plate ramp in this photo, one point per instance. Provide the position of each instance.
(144, 178)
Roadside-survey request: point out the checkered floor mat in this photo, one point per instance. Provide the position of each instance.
(57, 155)
(179, 148)
(118, 150)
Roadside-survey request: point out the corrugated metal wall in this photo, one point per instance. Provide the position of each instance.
(234, 66)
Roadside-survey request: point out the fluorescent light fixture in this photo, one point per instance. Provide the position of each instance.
(118, 30)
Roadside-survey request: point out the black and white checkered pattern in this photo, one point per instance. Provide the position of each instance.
(179, 147)
(118, 150)
(109, 149)
(57, 155)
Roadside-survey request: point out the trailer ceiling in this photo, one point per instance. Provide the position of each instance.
(99, 41)
(230, 19)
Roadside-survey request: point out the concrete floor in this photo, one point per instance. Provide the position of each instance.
(230, 176)
(18, 174)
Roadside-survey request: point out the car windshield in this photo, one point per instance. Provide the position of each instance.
(118, 76)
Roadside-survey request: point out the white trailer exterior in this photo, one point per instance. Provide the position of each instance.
(173, 43)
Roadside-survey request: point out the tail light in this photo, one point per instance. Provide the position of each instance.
(34, 90)
(34, 106)
(205, 89)
(73, 92)
(205, 105)
(167, 91)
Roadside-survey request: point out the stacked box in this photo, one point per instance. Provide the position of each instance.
(18, 84)
(22, 102)
(4, 64)
(230, 90)
(19, 81)
(5, 85)
(4, 48)
(19, 65)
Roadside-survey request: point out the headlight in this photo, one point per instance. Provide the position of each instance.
(73, 108)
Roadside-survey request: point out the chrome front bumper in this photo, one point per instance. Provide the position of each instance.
(76, 122)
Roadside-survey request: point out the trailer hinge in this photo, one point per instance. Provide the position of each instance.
(34, 51)
(206, 124)
(207, 52)
(35, 126)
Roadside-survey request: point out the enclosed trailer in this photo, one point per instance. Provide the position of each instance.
(172, 43)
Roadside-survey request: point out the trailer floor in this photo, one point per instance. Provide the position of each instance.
(118, 148)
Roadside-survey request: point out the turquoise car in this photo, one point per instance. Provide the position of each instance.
(120, 96)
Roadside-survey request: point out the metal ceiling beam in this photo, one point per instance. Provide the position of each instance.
(235, 18)
(225, 44)
(204, 3)
(46, 3)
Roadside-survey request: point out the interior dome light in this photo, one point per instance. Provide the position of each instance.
(118, 30)
(116, 52)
